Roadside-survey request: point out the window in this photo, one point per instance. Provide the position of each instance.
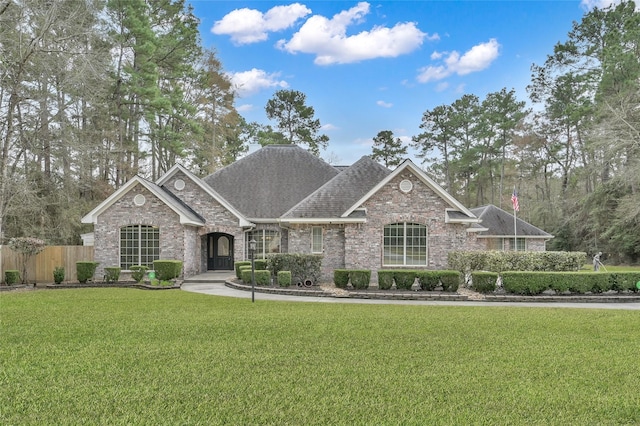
(267, 242)
(316, 239)
(509, 245)
(139, 245)
(405, 244)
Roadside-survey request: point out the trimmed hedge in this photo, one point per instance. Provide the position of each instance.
(532, 283)
(58, 274)
(11, 276)
(450, 280)
(404, 279)
(484, 282)
(239, 264)
(385, 279)
(284, 278)
(341, 278)
(498, 261)
(428, 280)
(85, 270)
(260, 264)
(262, 276)
(360, 278)
(138, 271)
(302, 266)
(167, 269)
(112, 274)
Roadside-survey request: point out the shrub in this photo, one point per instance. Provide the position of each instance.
(167, 269)
(624, 281)
(26, 247)
(450, 280)
(428, 280)
(360, 278)
(284, 278)
(239, 264)
(112, 274)
(385, 279)
(498, 261)
(85, 270)
(484, 282)
(263, 277)
(302, 266)
(529, 283)
(260, 263)
(245, 275)
(11, 276)
(341, 278)
(58, 274)
(137, 272)
(404, 279)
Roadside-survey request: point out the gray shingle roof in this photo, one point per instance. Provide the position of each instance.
(268, 182)
(340, 193)
(500, 223)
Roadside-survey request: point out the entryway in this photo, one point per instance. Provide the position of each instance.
(219, 251)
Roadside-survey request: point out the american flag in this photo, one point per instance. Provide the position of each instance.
(514, 200)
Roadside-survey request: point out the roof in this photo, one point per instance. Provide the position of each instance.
(267, 183)
(500, 224)
(339, 194)
(186, 214)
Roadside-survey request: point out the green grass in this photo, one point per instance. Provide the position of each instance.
(125, 356)
(611, 268)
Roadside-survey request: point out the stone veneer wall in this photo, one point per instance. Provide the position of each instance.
(333, 246)
(123, 213)
(391, 205)
(218, 219)
(536, 245)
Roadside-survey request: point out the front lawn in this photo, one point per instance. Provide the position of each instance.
(125, 356)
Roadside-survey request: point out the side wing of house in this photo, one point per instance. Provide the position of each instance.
(140, 223)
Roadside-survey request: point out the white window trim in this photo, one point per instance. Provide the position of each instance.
(314, 228)
(404, 246)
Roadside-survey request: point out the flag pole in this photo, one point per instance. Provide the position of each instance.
(516, 208)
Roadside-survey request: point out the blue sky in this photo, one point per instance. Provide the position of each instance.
(379, 65)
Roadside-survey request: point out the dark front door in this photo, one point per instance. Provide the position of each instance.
(220, 251)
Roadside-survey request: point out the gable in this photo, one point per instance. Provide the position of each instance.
(186, 216)
(499, 224)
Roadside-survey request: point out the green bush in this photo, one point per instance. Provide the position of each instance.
(529, 283)
(263, 277)
(484, 282)
(360, 278)
(112, 274)
(167, 270)
(284, 278)
(237, 265)
(58, 274)
(137, 272)
(404, 279)
(260, 263)
(302, 266)
(341, 278)
(499, 261)
(245, 275)
(85, 270)
(428, 280)
(624, 281)
(385, 279)
(11, 276)
(450, 280)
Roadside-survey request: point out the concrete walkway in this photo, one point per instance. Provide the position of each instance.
(212, 283)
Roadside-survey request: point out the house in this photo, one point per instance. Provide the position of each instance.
(363, 216)
(503, 233)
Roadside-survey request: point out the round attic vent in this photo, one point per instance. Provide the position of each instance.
(406, 186)
(179, 184)
(139, 200)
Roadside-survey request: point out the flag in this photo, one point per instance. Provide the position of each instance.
(514, 200)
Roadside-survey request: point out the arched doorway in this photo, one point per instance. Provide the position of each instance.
(219, 251)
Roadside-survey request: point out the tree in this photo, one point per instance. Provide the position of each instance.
(295, 120)
(26, 248)
(387, 149)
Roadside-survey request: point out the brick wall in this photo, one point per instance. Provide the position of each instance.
(333, 246)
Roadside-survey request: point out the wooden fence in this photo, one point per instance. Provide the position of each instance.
(40, 267)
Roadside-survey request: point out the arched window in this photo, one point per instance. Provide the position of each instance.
(139, 245)
(405, 244)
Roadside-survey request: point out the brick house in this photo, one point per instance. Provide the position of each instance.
(290, 201)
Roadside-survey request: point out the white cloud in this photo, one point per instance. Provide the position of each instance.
(384, 104)
(478, 58)
(437, 55)
(329, 127)
(600, 4)
(245, 108)
(247, 83)
(328, 39)
(250, 26)
(442, 86)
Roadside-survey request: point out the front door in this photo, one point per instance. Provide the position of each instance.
(219, 251)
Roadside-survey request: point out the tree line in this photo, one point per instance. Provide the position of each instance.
(94, 92)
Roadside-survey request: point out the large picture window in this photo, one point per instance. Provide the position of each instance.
(405, 244)
(268, 241)
(139, 245)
